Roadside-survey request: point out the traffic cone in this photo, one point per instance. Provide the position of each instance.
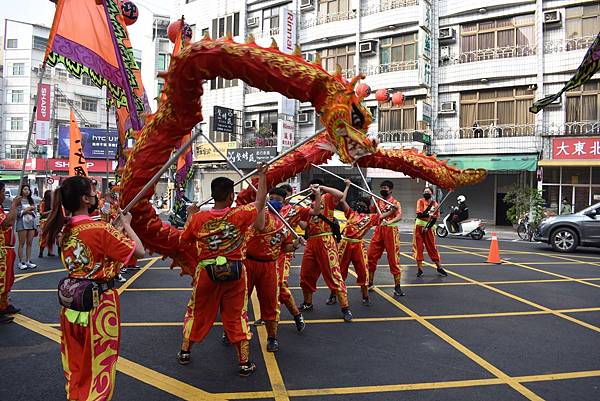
(494, 254)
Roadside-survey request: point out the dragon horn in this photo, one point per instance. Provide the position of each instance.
(356, 79)
(250, 39)
(274, 44)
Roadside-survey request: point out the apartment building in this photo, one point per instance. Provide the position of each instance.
(469, 72)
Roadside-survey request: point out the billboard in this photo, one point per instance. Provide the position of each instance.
(42, 126)
(94, 142)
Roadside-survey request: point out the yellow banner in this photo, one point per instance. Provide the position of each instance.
(204, 152)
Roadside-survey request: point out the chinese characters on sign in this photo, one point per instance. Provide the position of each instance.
(248, 157)
(425, 44)
(576, 148)
(204, 152)
(285, 135)
(223, 120)
(77, 164)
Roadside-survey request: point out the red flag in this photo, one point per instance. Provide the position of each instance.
(77, 164)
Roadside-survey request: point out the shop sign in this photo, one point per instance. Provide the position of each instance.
(576, 148)
(205, 152)
(249, 157)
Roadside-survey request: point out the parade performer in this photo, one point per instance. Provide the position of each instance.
(264, 249)
(92, 252)
(45, 209)
(7, 256)
(427, 213)
(220, 281)
(352, 248)
(386, 237)
(320, 254)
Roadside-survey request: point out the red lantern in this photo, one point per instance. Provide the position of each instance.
(398, 98)
(382, 95)
(173, 30)
(362, 90)
(130, 12)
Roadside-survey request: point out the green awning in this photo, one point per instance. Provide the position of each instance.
(9, 177)
(495, 162)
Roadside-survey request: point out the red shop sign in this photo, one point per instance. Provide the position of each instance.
(576, 148)
(96, 166)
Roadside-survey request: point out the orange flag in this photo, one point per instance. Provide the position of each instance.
(77, 164)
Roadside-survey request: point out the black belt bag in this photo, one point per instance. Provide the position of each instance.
(230, 271)
(81, 294)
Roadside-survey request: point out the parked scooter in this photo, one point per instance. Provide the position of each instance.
(467, 228)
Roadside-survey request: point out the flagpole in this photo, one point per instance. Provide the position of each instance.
(33, 114)
(107, 142)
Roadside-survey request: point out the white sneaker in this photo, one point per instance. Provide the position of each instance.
(121, 279)
(23, 266)
(31, 265)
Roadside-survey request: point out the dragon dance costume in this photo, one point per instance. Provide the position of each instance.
(284, 263)
(425, 238)
(7, 261)
(90, 340)
(386, 237)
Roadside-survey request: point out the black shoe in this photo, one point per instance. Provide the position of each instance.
(10, 310)
(304, 307)
(442, 272)
(300, 325)
(224, 339)
(5, 319)
(259, 322)
(184, 357)
(398, 291)
(247, 369)
(347, 315)
(272, 345)
(331, 300)
(51, 254)
(419, 273)
(41, 255)
(366, 302)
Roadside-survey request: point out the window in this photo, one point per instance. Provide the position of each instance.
(16, 123)
(227, 24)
(582, 22)
(270, 18)
(205, 31)
(398, 50)
(162, 62)
(501, 38)
(40, 43)
(583, 109)
(267, 123)
(193, 29)
(15, 151)
(60, 73)
(61, 100)
(159, 87)
(344, 56)
(496, 113)
(11, 43)
(17, 96)
(220, 83)
(327, 7)
(18, 69)
(86, 80)
(398, 118)
(89, 104)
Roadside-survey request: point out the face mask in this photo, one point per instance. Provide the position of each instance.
(361, 208)
(426, 195)
(93, 207)
(275, 204)
(384, 193)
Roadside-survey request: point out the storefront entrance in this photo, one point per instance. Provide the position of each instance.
(579, 186)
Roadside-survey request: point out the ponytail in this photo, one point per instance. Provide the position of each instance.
(56, 219)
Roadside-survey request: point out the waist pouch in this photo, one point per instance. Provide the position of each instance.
(81, 294)
(230, 271)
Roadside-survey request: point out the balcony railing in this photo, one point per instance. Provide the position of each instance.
(398, 136)
(565, 45)
(580, 128)
(490, 54)
(327, 18)
(269, 33)
(390, 67)
(250, 89)
(386, 5)
(258, 142)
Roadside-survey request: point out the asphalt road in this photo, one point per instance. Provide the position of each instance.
(526, 329)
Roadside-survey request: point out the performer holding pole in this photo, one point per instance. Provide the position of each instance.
(7, 256)
(428, 211)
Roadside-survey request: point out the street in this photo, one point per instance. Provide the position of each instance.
(526, 329)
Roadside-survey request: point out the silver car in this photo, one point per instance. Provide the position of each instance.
(566, 232)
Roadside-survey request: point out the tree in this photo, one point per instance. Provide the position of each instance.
(523, 201)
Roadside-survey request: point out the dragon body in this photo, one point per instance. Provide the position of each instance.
(344, 117)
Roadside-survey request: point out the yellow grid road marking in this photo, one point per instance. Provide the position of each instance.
(137, 275)
(19, 277)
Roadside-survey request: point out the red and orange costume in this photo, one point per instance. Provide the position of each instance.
(263, 251)
(352, 249)
(386, 237)
(7, 261)
(219, 233)
(90, 340)
(284, 263)
(43, 237)
(425, 239)
(320, 254)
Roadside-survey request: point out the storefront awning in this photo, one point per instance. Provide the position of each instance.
(569, 163)
(9, 177)
(495, 162)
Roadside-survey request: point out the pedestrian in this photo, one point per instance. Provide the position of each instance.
(386, 236)
(352, 248)
(220, 281)
(263, 250)
(92, 253)
(45, 209)
(320, 254)
(427, 213)
(565, 207)
(7, 256)
(26, 227)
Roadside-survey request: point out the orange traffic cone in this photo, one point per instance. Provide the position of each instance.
(494, 254)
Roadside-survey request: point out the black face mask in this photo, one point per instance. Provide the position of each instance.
(93, 208)
(384, 193)
(426, 195)
(361, 208)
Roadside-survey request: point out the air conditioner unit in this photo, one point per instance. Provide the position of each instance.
(367, 47)
(253, 22)
(249, 124)
(304, 117)
(552, 17)
(307, 5)
(447, 34)
(444, 53)
(309, 56)
(447, 108)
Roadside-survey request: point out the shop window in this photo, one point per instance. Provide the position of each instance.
(551, 175)
(575, 175)
(551, 201)
(596, 175)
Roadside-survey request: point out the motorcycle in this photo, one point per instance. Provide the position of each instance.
(467, 228)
